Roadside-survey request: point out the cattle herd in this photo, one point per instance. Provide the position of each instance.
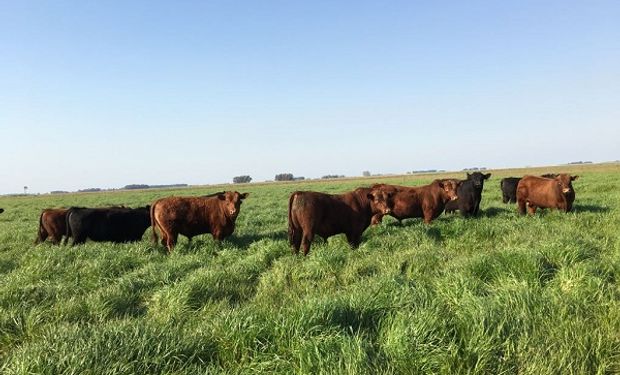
(309, 213)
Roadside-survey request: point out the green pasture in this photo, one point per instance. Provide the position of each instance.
(498, 294)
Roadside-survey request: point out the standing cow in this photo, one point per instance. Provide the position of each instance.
(469, 195)
(52, 225)
(509, 189)
(312, 213)
(539, 192)
(191, 216)
(426, 201)
(114, 224)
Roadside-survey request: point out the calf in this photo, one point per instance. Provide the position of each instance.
(509, 189)
(52, 225)
(114, 224)
(469, 195)
(312, 213)
(426, 201)
(191, 216)
(539, 192)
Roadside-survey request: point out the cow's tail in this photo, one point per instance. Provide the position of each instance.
(291, 227)
(41, 233)
(153, 224)
(68, 232)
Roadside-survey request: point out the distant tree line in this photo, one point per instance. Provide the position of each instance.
(242, 179)
(145, 186)
(90, 190)
(285, 177)
(475, 169)
(328, 176)
(580, 162)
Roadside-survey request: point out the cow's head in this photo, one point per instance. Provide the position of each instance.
(565, 182)
(449, 188)
(478, 178)
(231, 201)
(381, 199)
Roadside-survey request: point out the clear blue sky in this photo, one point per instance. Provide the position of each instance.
(108, 93)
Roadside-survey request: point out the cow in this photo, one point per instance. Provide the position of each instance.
(549, 175)
(1, 210)
(313, 213)
(190, 216)
(539, 192)
(52, 225)
(509, 189)
(427, 202)
(113, 224)
(469, 195)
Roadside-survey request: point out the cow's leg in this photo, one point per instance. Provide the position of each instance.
(306, 239)
(505, 198)
(428, 217)
(56, 239)
(296, 237)
(531, 209)
(171, 241)
(521, 206)
(78, 239)
(354, 239)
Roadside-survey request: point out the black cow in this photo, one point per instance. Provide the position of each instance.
(114, 224)
(509, 189)
(1, 210)
(469, 195)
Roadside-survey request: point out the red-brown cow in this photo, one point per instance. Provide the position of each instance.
(191, 216)
(52, 225)
(426, 201)
(539, 192)
(312, 213)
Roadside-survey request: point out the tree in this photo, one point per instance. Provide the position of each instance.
(284, 177)
(366, 173)
(242, 179)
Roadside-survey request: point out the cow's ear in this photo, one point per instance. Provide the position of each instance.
(370, 196)
(221, 197)
(243, 195)
(468, 175)
(573, 178)
(440, 184)
(487, 176)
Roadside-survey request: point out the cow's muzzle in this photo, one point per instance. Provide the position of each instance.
(454, 198)
(387, 211)
(566, 190)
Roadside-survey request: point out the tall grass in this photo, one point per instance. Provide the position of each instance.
(499, 294)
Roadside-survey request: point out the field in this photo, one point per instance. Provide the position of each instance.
(499, 294)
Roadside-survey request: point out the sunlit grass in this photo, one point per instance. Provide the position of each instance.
(497, 294)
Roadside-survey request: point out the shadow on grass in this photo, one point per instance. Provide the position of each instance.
(589, 208)
(495, 211)
(245, 240)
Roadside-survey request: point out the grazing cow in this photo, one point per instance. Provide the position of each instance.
(469, 195)
(312, 213)
(52, 225)
(539, 192)
(509, 189)
(114, 224)
(426, 201)
(191, 216)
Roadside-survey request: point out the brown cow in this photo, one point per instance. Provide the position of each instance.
(52, 225)
(539, 192)
(191, 216)
(312, 213)
(426, 201)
